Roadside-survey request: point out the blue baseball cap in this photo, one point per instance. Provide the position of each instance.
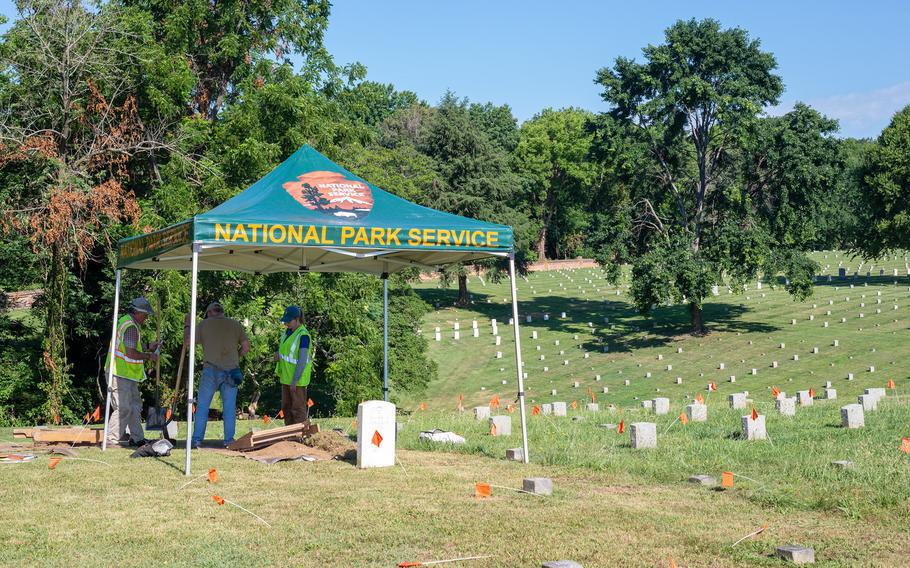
(291, 312)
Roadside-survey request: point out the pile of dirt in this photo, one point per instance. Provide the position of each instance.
(287, 450)
(336, 444)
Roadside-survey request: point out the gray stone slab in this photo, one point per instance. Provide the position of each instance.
(643, 435)
(538, 485)
(843, 464)
(697, 412)
(503, 425)
(869, 402)
(561, 564)
(737, 400)
(546, 409)
(559, 409)
(592, 407)
(754, 429)
(786, 406)
(481, 412)
(703, 479)
(661, 406)
(796, 554)
(852, 416)
(515, 454)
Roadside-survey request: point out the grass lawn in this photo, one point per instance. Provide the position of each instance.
(612, 505)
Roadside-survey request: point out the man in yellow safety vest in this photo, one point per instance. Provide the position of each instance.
(129, 371)
(294, 365)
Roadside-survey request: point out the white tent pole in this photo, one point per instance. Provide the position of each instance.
(110, 361)
(192, 362)
(518, 364)
(385, 336)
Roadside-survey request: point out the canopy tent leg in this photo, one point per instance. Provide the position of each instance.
(385, 336)
(110, 362)
(518, 364)
(192, 362)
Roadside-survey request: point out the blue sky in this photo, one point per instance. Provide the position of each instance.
(850, 60)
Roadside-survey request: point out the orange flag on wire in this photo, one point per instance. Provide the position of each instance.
(377, 438)
(699, 399)
(96, 416)
(713, 387)
(811, 393)
(354, 424)
(494, 402)
(482, 490)
(574, 404)
(265, 419)
(890, 383)
(492, 429)
(56, 419)
(622, 426)
(218, 499)
(309, 403)
(726, 480)
(52, 462)
(213, 476)
(423, 406)
(905, 445)
(754, 414)
(536, 410)
(683, 418)
(461, 397)
(775, 392)
(88, 417)
(672, 563)
(167, 415)
(511, 408)
(281, 414)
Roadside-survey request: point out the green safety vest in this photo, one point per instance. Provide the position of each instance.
(124, 366)
(287, 359)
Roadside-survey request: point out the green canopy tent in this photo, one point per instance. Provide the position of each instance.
(311, 215)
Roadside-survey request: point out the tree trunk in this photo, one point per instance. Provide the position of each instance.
(462, 290)
(698, 324)
(542, 244)
(54, 344)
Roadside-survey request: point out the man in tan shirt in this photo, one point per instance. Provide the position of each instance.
(224, 342)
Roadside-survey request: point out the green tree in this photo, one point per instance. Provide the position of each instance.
(887, 183)
(687, 111)
(553, 150)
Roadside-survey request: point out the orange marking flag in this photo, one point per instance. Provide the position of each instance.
(536, 410)
(699, 399)
(494, 403)
(683, 418)
(213, 476)
(96, 416)
(482, 490)
(754, 414)
(309, 403)
(88, 417)
(811, 393)
(281, 414)
(890, 383)
(423, 406)
(376, 439)
(354, 424)
(775, 392)
(167, 415)
(56, 419)
(218, 499)
(905, 445)
(726, 479)
(492, 429)
(672, 563)
(52, 462)
(265, 419)
(511, 408)
(622, 426)
(574, 404)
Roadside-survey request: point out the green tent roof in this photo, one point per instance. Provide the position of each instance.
(309, 213)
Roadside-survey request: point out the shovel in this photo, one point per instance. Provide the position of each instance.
(156, 418)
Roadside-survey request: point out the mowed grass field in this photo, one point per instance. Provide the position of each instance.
(612, 505)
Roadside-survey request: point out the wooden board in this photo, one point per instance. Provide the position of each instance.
(69, 435)
(23, 432)
(264, 438)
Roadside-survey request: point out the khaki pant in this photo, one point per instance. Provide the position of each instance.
(293, 403)
(126, 411)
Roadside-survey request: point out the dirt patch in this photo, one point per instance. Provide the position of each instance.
(337, 445)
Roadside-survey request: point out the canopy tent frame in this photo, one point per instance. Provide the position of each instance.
(198, 240)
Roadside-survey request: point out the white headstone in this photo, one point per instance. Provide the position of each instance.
(375, 434)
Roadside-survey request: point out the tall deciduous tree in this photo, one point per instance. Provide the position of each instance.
(887, 182)
(553, 150)
(688, 106)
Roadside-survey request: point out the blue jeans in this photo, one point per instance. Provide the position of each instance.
(226, 383)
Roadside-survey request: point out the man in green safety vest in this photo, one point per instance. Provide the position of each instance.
(129, 371)
(294, 365)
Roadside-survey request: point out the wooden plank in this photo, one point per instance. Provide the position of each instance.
(70, 435)
(264, 438)
(22, 432)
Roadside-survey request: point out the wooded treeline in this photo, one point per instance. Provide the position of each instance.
(126, 116)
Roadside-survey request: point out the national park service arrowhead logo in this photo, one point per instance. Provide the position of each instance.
(332, 193)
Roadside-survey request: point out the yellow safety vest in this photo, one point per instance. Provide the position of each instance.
(124, 366)
(287, 359)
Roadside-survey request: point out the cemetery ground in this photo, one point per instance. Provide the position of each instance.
(612, 505)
